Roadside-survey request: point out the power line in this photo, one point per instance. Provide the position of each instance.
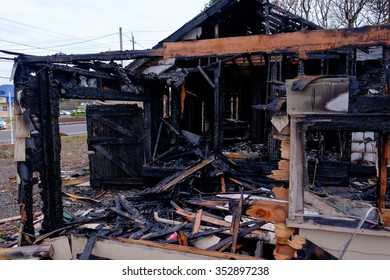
(132, 40)
(85, 41)
(26, 45)
(36, 27)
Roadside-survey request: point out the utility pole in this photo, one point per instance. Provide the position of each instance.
(120, 41)
(132, 40)
(11, 117)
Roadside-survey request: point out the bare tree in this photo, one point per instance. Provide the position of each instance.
(292, 6)
(349, 12)
(339, 13)
(379, 12)
(321, 11)
(306, 7)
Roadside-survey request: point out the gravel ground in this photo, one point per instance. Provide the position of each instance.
(73, 158)
(8, 187)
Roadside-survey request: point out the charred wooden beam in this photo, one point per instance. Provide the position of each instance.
(116, 181)
(291, 16)
(218, 137)
(204, 217)
(103, 56)
(164, 232)
(242, 233)
(206, 76)
(169, 182)
(50, 180)
(87, 252)
(352, 122)
(236, 221)
(77, 92)
(370, 105)
(114, 159)
(301, 42)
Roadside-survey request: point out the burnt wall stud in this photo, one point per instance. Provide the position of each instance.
(50, 184)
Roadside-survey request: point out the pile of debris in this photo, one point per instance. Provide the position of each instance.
(230, 217)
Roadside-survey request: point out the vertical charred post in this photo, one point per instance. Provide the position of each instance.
(24, 168)
(50, 182)
(217, 109)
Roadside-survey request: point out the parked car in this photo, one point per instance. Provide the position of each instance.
(3, 124)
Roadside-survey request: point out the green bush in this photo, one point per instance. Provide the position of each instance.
(77, 114)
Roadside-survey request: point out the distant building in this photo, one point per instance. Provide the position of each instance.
(5, 92)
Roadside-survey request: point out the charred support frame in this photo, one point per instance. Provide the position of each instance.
(40, 101)
(50, 184)
(39, 98)
(298, 162)
(217, 109)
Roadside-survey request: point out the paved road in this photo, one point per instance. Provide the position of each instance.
(68, 129)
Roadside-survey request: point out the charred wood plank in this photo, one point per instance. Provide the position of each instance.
(198, 219)
(113, 140)
(116, 181)
(78, 92)
(87, 252)
(127, 215)
(141, 232)
(105, 56)
(116, 127)
(236, 221)
(68, 226)
(167, 183)
(130, 209)
(114, 159)
(164, 232)
(206, 76)
(170, 126)
(204, 218)
(246, 185)
(182, 238)
(157, 140)
(242, 233)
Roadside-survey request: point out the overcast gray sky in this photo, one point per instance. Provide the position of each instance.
(43, 27)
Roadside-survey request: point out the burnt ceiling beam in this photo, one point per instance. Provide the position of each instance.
(287, 23)
(350, 122)
(78, 92)
(103, 56)
(300, 42)
(291, 16)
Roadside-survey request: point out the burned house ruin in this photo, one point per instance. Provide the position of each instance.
(246, 99)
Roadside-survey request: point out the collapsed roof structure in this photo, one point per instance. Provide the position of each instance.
(246, 99)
